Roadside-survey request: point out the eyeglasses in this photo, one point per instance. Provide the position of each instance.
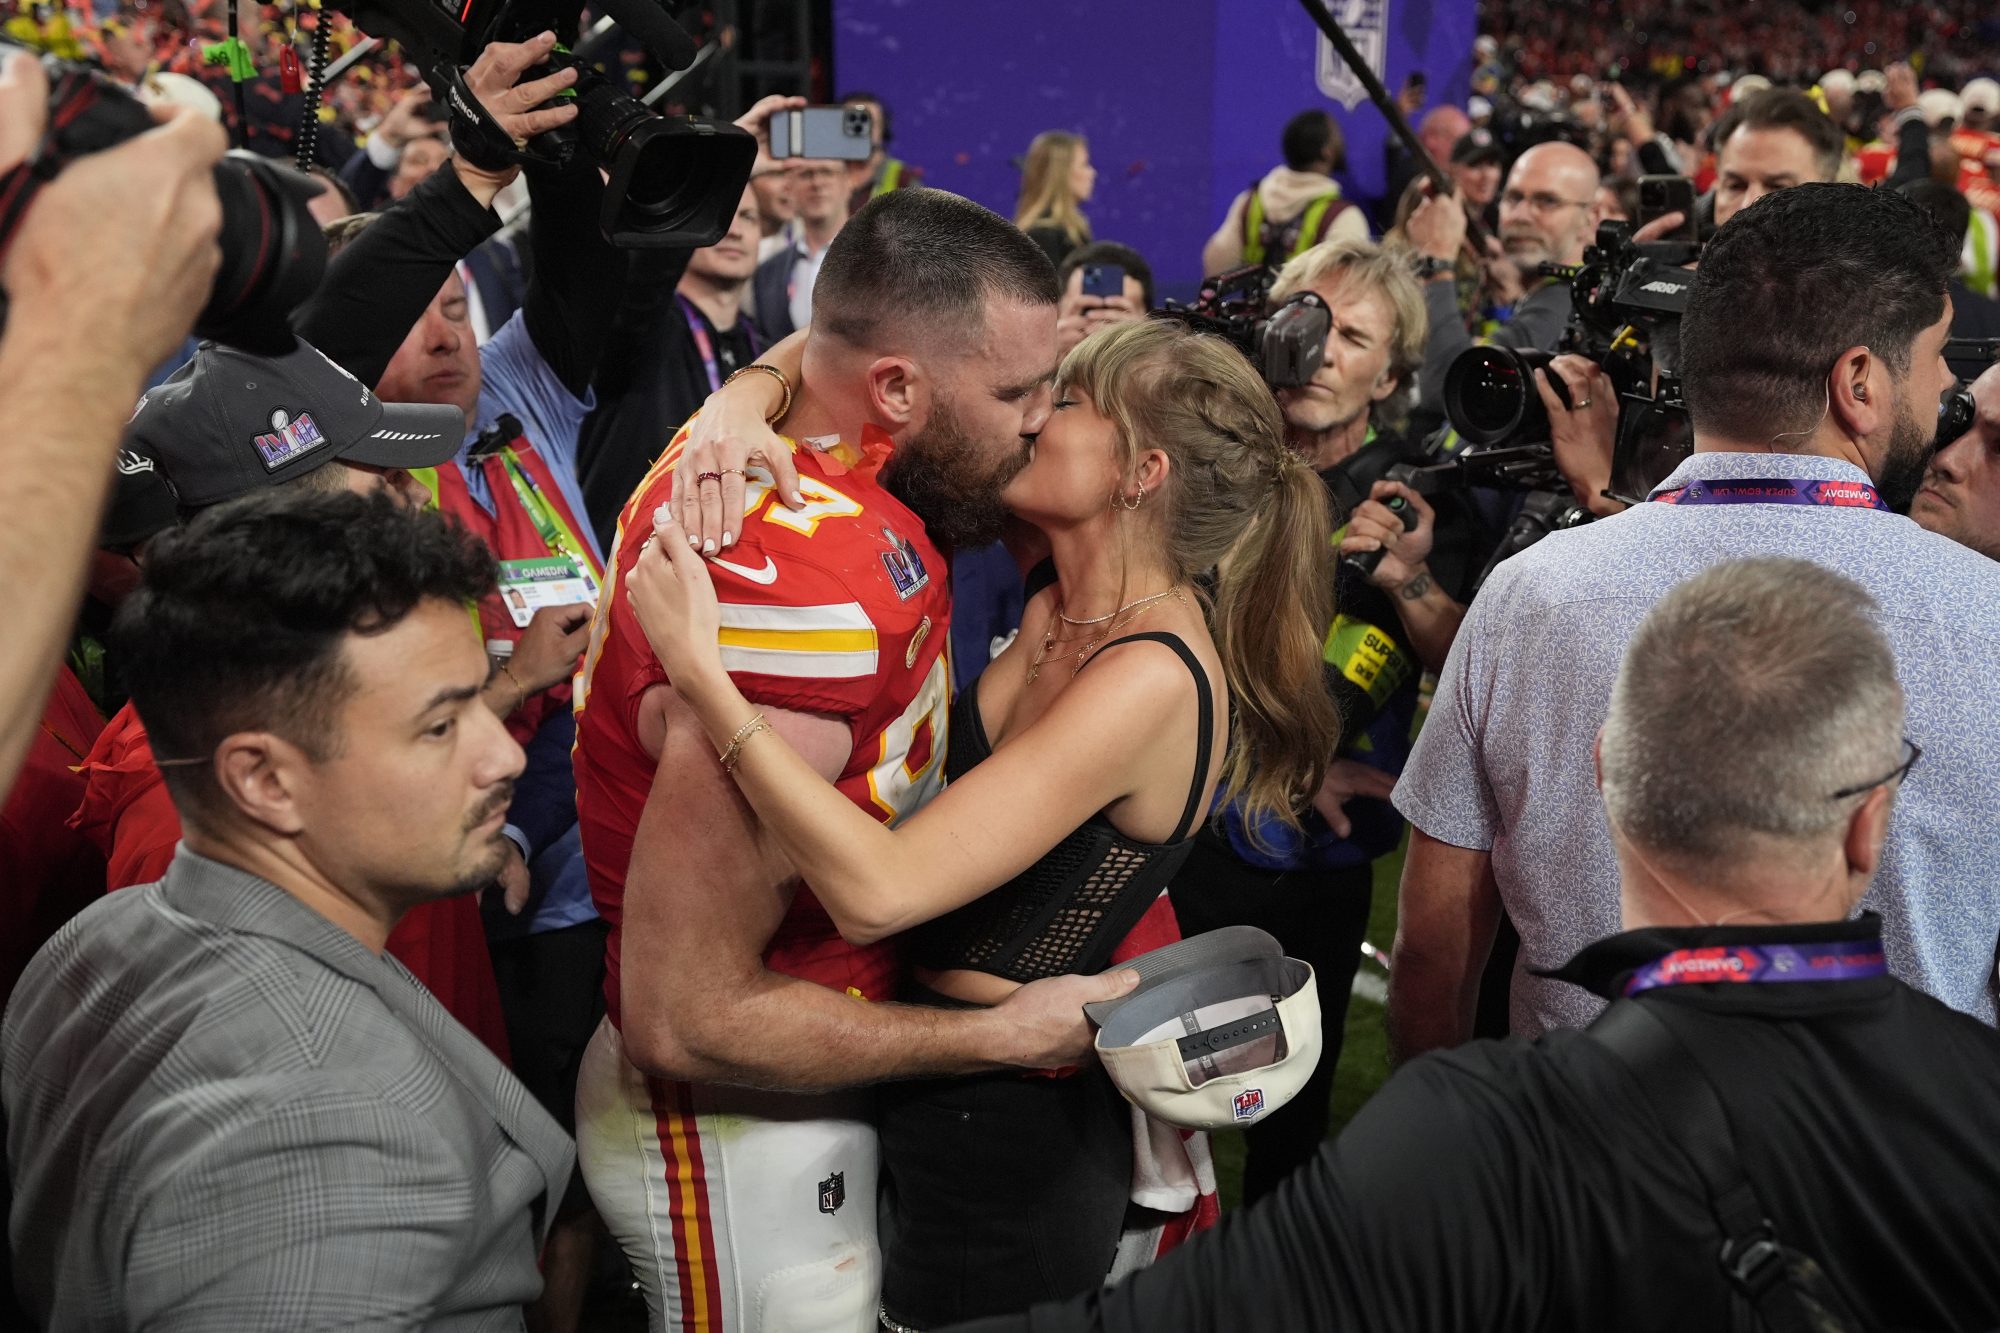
(1540, 203)
(1896, 774)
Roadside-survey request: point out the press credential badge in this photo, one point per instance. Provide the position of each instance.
(529, 585)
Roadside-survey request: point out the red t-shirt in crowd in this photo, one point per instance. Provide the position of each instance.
(48, 871)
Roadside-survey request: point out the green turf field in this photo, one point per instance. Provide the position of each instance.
(1364, 1056)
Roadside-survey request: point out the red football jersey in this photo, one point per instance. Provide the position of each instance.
(840, 608)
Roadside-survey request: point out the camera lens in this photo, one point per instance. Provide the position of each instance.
(1956, 413)
(273, 254)
(1490, 395)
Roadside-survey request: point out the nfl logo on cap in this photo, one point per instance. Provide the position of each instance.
(1221, 1030)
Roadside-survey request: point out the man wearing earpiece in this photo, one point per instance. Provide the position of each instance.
(1811, 361)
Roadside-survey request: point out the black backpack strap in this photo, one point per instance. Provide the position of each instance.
(1788, 1291)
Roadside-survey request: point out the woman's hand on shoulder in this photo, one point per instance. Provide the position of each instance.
(672, 595)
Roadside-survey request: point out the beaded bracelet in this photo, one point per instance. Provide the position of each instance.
(776, 374)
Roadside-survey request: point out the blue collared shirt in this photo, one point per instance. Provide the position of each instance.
(1504, 763)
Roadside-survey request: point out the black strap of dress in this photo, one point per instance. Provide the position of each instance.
(1205, 725)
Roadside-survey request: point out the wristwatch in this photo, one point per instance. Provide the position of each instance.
(1430, 266)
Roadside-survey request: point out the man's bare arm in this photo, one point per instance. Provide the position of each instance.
(1446, 914)
(704, 893)
(105, 274)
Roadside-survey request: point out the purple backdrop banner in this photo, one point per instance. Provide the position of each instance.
(1182, 100)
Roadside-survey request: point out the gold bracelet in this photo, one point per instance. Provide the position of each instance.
(519, 689)
(733, 752)
(776, 374)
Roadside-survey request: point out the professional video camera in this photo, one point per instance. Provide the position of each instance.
(1286, 345)
(673, 182)
(1626, 302)
(272, 252)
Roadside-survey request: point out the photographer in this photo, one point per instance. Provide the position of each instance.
(1811, 364)
(1080, 315)
(1548, 215)
(105, 272)
(1960, 497)
(1311, 886)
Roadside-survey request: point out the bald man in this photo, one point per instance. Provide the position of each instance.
(1960, 498)
(1548, 214)
(1439, 132)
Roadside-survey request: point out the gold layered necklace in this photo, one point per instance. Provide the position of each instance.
(1112, 623)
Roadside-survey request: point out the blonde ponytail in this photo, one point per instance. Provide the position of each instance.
(1238, 502)
(1273, 602)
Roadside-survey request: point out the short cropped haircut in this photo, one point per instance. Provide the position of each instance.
(1385, 269)
(240, 623)
(1951, 209)
(1109, 252)
(1307, 139)
(1789, 284)
(1750, 694)
(1788, 109)
(915, 268)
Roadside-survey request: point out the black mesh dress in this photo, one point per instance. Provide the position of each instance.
(1007, 1189)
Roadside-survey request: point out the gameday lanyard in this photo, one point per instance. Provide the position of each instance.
(1777, 491)
(698, 326)
(555, 533)
(1845, 960)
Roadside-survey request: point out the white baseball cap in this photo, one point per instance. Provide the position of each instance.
(1981, 95)
(1938, 105)
(1222, 1030)
(1837, 80)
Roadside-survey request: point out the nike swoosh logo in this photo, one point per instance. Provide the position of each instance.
(767, 575)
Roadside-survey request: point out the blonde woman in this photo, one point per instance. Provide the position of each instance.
(1079, 768)
(1055, 184)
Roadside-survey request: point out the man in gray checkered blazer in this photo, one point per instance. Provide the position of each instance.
(226, 1107)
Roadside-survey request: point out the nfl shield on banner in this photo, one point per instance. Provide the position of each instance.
(1366, 23)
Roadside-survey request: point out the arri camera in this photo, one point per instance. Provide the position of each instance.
(1286, 345)
(272, 252)
(673, 182)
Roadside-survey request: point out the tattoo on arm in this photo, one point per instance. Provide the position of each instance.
(1414, 590)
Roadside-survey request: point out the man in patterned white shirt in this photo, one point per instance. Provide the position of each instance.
(1811, 362)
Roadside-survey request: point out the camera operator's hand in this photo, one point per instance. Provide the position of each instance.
(1660, 227)
(494, 80)
(1375, 527)
(757, 120)
(1437, 228)
(116, 255)
(732, 432)
(1585, 432)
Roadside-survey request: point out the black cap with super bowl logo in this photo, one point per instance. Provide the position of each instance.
(228, 423)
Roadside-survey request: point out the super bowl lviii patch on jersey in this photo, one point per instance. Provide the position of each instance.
(905, 566)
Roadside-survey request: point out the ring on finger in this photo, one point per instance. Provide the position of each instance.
(1581, 403)
(701, 477)
(734, 472)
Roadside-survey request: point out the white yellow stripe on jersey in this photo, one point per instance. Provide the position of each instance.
(836, 641)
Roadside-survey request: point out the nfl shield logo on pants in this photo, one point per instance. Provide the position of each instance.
(1249, 1103)
(833, 1192)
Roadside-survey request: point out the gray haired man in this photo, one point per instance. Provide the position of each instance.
(1752, 757)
